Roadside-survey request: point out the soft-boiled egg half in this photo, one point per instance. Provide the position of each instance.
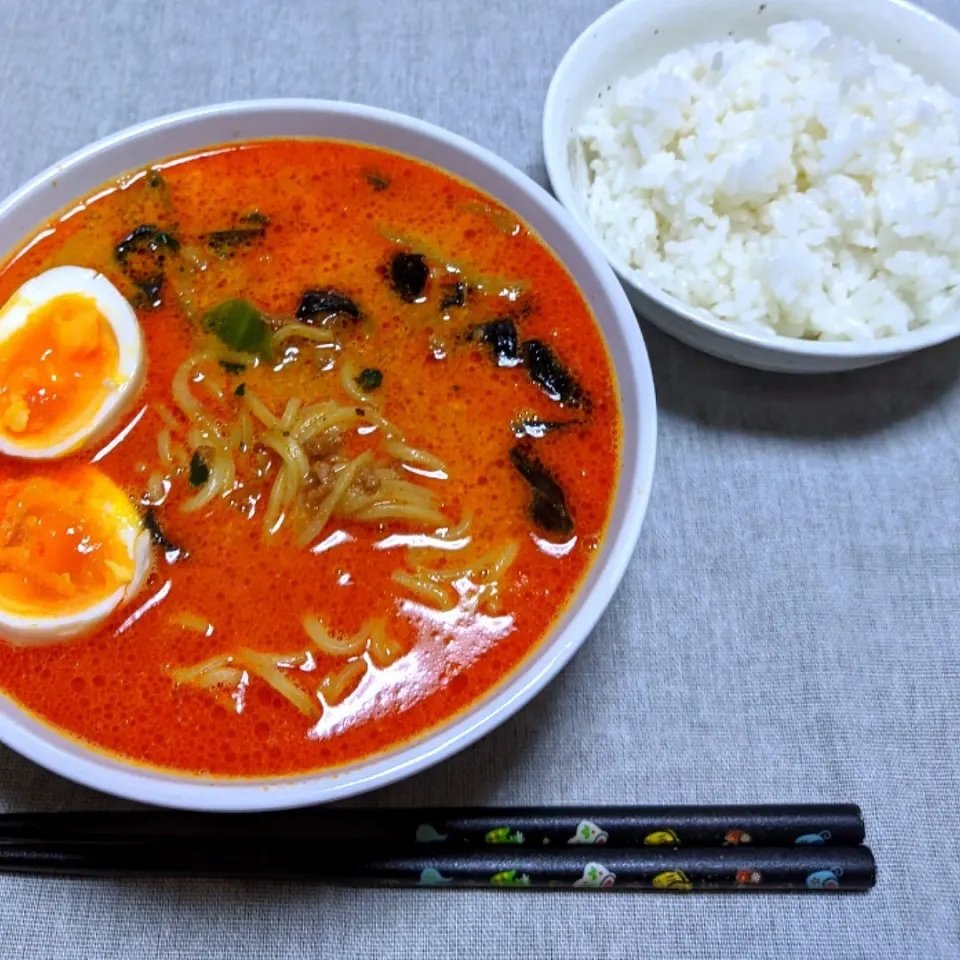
(71, 359)
(73, 548)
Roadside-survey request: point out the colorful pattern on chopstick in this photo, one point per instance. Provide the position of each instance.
(802, 868)
(765, 869)
(834, 825)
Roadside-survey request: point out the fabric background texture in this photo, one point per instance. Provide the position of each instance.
(788, 630)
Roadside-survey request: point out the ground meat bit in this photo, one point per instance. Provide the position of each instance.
(367, 481)
(323, 444)
(317, 484)
(312, 499)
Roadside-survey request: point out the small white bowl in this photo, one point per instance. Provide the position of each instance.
(632, 37)
(193, 130)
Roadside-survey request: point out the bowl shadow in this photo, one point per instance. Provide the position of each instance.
(26, 786)
(490, 772)
(726, 396)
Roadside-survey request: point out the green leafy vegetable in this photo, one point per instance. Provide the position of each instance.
(145, 238)
(142, 255)
(369, 379)
(255, 217)
(199, 471)
(154, 179)
(240, 325)
(241, 391)
(225, 243)
(233, 367)
(377, 180)
(149, 290)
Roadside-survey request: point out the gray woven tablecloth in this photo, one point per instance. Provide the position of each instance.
(789, 629)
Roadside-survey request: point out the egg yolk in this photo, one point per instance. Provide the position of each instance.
(59, 551)
(56, 370)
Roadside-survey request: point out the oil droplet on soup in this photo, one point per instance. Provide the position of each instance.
(378, 442)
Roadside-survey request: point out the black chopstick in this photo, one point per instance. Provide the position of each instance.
(731, 848)
(760, 869)
(531, 827)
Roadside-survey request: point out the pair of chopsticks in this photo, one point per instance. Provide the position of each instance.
(729, 848)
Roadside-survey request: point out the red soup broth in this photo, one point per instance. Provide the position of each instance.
(265, 222)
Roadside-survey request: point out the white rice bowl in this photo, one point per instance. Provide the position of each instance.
(806, 186)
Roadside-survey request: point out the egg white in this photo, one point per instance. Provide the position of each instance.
(35, 629)
(131, 361)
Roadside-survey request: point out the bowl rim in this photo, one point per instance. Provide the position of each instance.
(83, 763)
(554, 143)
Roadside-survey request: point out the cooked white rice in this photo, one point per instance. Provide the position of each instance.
(807, 185)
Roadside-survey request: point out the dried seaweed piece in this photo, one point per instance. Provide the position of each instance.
(501, 337)
(548, 505)
(322, 307)
(548, 373)
(409, 274)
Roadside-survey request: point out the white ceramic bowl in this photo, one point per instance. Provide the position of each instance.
(633, 36)
(44, 196)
